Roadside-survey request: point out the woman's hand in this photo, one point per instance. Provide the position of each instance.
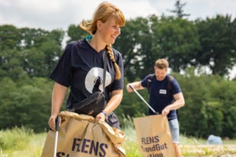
(100, 116)
(52, 122)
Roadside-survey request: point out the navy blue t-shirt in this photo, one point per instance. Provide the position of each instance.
(81, 68)
(159, 95)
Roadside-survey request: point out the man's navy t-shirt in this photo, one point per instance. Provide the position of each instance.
(81, 68)
(159, 95)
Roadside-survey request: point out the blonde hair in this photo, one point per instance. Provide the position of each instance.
(162, 64)
(105, 11)
(117, 69)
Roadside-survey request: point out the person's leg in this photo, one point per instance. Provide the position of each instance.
(177, 151)
(174, 128)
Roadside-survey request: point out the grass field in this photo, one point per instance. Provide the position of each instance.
(24, 143)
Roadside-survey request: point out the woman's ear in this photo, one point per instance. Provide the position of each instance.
(99, 24)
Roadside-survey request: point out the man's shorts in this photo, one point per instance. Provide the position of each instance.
(174, 128)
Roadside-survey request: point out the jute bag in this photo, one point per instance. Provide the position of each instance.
(154, 137)
(79, 136)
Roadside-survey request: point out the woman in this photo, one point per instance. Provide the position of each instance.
(82, 64)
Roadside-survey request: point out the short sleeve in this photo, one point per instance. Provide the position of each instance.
(63, 71)
(175, 87)
(145, 80)
(119, 84)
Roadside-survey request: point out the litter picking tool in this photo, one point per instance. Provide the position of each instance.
(143, 99)
(56, 137)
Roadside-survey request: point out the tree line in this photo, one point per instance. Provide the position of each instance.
(200, 54)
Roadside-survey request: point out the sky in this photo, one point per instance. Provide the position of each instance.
(59, 14)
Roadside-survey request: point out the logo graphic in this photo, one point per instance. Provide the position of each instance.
(94, 79)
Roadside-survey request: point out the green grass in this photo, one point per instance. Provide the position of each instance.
(15, 138)
(22, 142)
(130, 145)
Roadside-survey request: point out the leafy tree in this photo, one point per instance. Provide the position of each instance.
(135, 44)
(218, 51)
(11, 64)
(26, 104)
(31, 37)
(179, 9)
(41, 51)
(34, 62)
(75, 33)
(9, 37)
(147, 56)
(177, 40)
(224, 92)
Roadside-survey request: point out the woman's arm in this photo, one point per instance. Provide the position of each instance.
(113, 103)
(58, 96)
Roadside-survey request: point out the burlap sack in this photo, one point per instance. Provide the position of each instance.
(154, 137)
(79, 136)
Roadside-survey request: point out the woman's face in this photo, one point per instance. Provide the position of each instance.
(109, 30)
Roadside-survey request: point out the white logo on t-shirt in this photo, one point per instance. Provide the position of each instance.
(162, 91)
(94, 76)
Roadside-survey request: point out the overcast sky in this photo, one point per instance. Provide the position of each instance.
(59, 14)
